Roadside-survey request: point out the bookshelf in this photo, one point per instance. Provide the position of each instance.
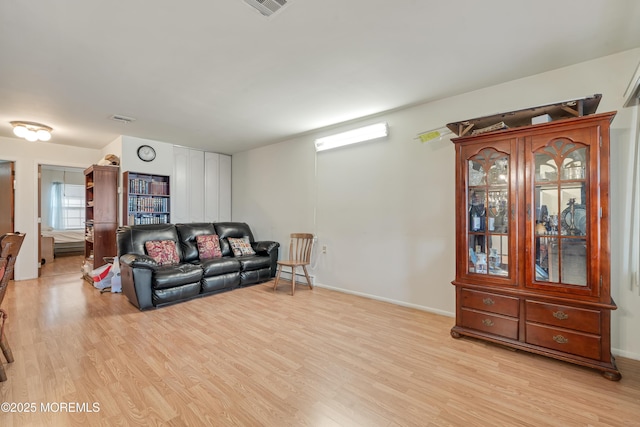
(146, 199)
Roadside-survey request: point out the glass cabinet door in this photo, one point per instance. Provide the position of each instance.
(560, 215)
(488, 217)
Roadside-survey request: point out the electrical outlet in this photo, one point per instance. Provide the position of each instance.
(324, 249)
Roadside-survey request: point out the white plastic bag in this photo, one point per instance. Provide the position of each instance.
(102, 276)
(116, 282)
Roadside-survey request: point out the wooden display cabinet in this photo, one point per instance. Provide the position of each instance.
(532, 240)
(101, 193)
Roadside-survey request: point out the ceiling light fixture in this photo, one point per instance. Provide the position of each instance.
(366, 133)
(31, 131)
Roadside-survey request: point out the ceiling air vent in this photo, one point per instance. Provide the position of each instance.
(122, 119)
(267, 7)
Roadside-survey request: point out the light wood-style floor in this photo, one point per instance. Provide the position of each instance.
(252, 357)
(62, 265)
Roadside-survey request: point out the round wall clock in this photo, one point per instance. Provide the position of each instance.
(146, 153)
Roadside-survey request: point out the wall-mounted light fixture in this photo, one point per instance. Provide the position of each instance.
(366, 133)
(31, 131)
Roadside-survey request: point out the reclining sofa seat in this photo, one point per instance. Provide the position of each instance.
(147, 284)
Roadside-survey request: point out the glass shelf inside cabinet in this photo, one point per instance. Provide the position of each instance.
(561, 222)
(488, 201)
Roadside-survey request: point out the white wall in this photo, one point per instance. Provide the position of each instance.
(27, 156)
(161, 165)
(130, 162)
(385, 209)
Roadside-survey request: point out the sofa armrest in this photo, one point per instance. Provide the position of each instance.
(136, 275)
(265, 247)
(269, 248)
(139, 261)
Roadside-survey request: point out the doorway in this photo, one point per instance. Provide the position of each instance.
(61, 219)
(7, 207)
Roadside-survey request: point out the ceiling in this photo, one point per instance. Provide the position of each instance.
(220, 76)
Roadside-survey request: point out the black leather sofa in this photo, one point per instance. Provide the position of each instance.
(147, 284)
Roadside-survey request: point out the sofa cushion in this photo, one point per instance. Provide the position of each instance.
(224, 230)
(188, 234)
(254, 276)
(215, 266)
(221, 282)
(131, 238)
(169, 276)
(254, 262)
(208, 246)
(166, 296)
(164, 252)
(241, 246)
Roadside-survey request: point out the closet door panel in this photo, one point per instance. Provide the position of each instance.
(196, 186)
(224, 207)
(211, 186)
(180, 185)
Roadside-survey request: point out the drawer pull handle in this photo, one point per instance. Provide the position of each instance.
(487, 322)
(560, 339)
(560, 315)
(488, 301)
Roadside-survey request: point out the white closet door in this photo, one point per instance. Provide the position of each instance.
(211, 186)
(224, 198)
(180, 185)
(200, 186)
(196, 186)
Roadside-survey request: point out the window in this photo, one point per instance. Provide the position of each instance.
(67, 206)
(73, 206)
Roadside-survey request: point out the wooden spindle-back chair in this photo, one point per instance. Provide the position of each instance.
(299, 256)
(10, 244)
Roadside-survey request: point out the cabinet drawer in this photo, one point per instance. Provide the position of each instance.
(564, 340)
(494, 303)
(491, 323)
(564, 316)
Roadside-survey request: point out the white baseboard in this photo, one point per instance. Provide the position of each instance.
(614, 351)
(392, 301)
(627, 354)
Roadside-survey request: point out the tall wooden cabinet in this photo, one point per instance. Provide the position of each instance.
(532, 240)
(101, 192)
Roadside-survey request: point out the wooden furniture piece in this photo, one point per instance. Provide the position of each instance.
(101, 186)
(559, 110)
(532, 240)
(146, 199)
(46, 247)
(10, 244)
(300, 247)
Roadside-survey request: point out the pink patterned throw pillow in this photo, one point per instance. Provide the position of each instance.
(164, 252)
(208, 246)
(241, 247)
